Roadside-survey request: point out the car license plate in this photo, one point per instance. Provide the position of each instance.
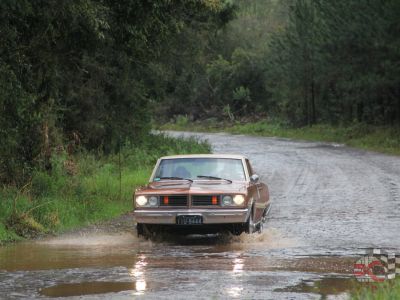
(189, 220)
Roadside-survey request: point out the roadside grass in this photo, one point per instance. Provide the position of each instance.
(83, 188)
(388, 290)
(383, 139)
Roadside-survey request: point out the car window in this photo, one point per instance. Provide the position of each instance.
(226, 168)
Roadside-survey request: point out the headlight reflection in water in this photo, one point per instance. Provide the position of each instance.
(138, 274)
(235, 290)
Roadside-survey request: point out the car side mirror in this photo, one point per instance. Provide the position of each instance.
(254, 178)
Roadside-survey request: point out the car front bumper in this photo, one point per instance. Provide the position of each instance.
(210, 216)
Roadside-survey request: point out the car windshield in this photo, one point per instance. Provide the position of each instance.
(200, 169)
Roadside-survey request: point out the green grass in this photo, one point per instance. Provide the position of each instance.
(83, 189)
(388, 290)
(375, 138)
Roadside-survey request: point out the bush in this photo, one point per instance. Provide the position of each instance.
(42, 184)
(390, 289)
(181, 120)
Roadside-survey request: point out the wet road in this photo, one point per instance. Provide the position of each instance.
(329, 202)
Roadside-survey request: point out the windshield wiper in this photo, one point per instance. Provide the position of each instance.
(176, 178)
(214, 178)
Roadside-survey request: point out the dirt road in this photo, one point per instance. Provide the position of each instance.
(329, 203)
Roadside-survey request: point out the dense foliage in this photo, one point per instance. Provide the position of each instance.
(301, 62)
(338, 62)
(79, 72)
(91, 73)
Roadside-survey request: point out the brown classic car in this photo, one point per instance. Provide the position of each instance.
(202, 194)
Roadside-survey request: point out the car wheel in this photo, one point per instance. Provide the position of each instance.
(143, 230)
(265, 214)
(250, 226)
(237, 229)
(139, 229)
(260, 227)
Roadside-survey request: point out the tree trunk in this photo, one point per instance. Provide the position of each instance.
(305, 90)
(313, 113)
(46, 147)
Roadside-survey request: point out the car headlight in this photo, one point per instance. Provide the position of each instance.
(141, 200)
(227, 200)
(238, 199)
(153, 201)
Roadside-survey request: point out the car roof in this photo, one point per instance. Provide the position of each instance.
(232, 156)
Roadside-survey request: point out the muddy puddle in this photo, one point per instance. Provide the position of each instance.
(107, 265)
(326, 286)
(89, 288)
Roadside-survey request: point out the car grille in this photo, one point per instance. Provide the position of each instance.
(174, 200)
(204, 200)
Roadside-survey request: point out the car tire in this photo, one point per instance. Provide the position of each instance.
(139, 229)
(237, 229)
(250, 226)
(259, 227)
(143, 230)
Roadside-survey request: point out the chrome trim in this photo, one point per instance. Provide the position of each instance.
(184, 211)
(210, 216)
(153, 173)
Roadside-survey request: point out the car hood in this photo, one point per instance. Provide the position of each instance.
(196, 187)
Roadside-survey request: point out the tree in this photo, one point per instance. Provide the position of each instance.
(76, 68)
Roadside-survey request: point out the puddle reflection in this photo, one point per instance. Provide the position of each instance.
(236, 289)
(138, 274)
(238, 264)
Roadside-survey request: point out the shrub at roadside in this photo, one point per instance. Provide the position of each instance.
(388, 290)
(83, 188)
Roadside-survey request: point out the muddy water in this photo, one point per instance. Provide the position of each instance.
(329, 202)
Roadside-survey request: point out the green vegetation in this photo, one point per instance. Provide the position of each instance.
(83, 188)
(387, 290)
(77, 80)
(384, 139)
(305, 62)
(84, 72)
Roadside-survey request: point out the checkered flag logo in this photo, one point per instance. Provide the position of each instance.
(377, 265)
